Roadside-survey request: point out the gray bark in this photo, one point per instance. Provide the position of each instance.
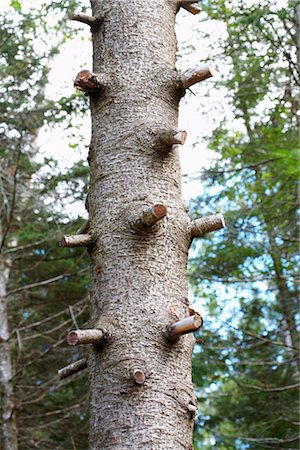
(9, 427)
(139, 275)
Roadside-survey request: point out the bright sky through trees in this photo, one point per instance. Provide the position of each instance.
(198, 115)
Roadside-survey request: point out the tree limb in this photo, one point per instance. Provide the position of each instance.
(45, 282)
(88, 20)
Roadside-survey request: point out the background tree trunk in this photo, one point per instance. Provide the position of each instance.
(139, 273)
(9, 426)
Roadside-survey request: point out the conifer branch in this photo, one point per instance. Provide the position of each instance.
(88, 82)
(88, 20)
(77, 240)
(146, 217)
(185, 326)
(72, 368)
(207, 224)
(84, 228)
(196, 75)
(45, 282)
(173, 137)
(190, 6)
(92, 336)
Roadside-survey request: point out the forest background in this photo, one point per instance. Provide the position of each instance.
(246, 370)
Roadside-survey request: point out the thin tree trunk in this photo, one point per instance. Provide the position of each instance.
(9, 427)
(286, 299)
(297, 30)
(139, 272)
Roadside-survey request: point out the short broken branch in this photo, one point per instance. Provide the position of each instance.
(190, 6)
(185, 326)
(87, 82)
(173, 137)
(148, 216)
(196, 75)
(77, 337)
(72, 368)
(88, 20)
(207, 224)
(77, 240)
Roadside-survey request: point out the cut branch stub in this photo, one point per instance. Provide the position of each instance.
(77, 240)
(173, 137)
(72, 368)
(185, 326)
(190, 6)
(207, 224)
(196, 75)
(147, 217)
(88, 20)
(192, 408)
(77, 337)
(87, 82)
(138, 376)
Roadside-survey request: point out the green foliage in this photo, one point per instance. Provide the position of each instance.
(47, 289)
(16, 5)
(246, 364)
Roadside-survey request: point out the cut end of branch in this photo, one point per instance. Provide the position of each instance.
(77, 240)
(174, 137)
(146, 217)
(87, 82)
(72, 368)
(138, 376)
(152, 215)
(159, 211)
(207, 224)
(196, 75)
(84, 337)
(190, 6)
(185, 326)
(192, 407)
(72, 338)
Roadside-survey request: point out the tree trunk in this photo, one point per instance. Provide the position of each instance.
(141, 392)
(287, 301)
(297, 31)
(9, 427)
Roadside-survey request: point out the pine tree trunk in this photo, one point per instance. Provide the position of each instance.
(141, 393)
(9, 427)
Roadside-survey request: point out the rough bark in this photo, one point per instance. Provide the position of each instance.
(139, 274)
(9, 426)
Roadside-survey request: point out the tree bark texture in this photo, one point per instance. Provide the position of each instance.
(139, 273)
(9, 426)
